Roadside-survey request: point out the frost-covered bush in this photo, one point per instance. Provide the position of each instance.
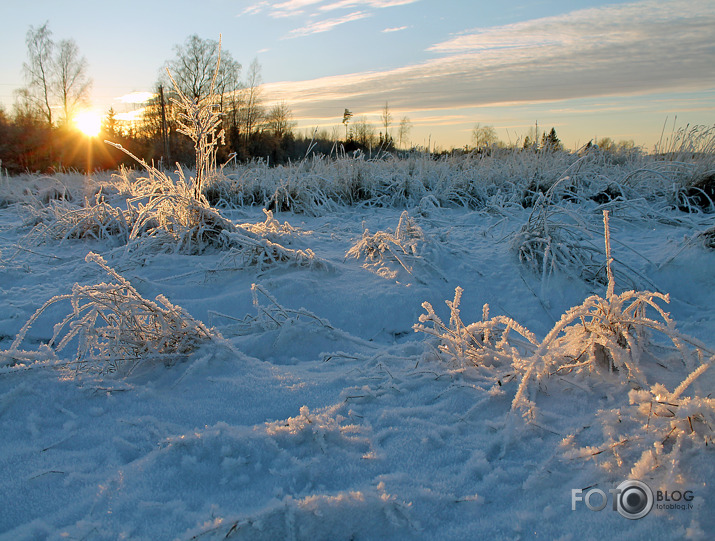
(200, 120)
(114, 327)
(707, 237)
(601, 339)
(272, 229)
(490, 342)
(407, 250)
(166, 215)
(554, 241)
(174, 215)
(656, 431)
(271, 315)
(246, 249)
(557, 240)
(607, 338)
(261, 246)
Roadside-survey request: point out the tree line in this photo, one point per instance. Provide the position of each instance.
(38, 134)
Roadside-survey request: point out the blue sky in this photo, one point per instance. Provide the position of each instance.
(590, 69)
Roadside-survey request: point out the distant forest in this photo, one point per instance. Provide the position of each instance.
(39, 134)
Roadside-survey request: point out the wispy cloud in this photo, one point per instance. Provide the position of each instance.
(326, 24)
(136, 97)
(254, 9)
(393, 29)
(292, 7)
(377, 4)
(640, 24)
(313, 9)
(627, 49)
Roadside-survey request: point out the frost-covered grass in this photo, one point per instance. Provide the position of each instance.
(114, 328)
(406, 251)
(608, 339)
(562, 361)
(495, 181)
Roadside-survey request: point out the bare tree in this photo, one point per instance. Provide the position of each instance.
(234, 100)
(403, 133)
(54, 74)
(230, 87)
(386, 119)
(252, 111)
(483, 136)
(24, 106)
(278, 119)
(364, 133)
(38, 69)
(194, 65)
(70, 78)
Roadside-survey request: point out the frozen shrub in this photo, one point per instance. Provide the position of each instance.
(115, 327)
(260, 245)
(166, 216)
(553, 240)
(271, 315)
(389, 255)
(200, 119)
(655, 432)
(272, 229)
(610, 335)
(708, 238)
(246, 249)
(699, 196)
(557, 240)
(488, 342)
(176, 214)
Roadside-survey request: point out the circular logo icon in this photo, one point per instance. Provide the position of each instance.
(634, 499)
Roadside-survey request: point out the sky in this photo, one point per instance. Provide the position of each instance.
(590, 69)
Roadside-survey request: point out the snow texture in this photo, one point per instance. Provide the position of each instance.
(275, 388)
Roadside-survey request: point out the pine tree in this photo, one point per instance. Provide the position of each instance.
(551, 142)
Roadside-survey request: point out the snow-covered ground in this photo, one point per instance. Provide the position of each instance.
(317, 411)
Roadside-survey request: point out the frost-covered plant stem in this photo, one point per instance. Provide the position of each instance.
(609, 259)
(200, 120)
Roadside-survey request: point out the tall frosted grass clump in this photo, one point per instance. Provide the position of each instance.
(114, 328)
(615, 342)
(200, 120)
(387, 254)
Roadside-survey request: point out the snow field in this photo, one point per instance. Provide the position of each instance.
(320, 413)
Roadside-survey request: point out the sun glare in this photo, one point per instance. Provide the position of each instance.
(89, 123)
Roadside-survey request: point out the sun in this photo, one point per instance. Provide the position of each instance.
(89, 123)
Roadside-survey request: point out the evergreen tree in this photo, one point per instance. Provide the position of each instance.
(551, 142)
